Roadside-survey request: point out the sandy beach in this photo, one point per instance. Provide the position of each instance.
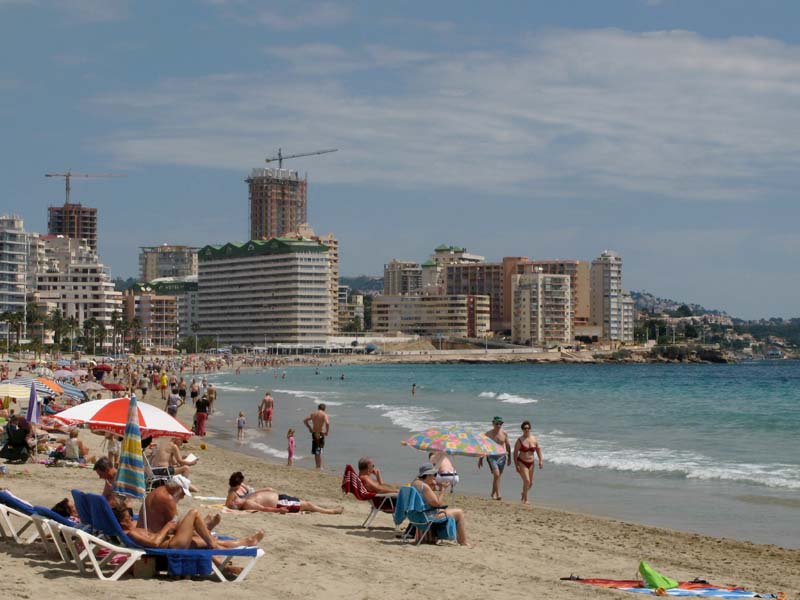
(518, 549)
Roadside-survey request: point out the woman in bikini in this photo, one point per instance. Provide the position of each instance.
(244, 497)
(525, 452)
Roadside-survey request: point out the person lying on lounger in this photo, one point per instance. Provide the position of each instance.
(244, 497)
(190, 532)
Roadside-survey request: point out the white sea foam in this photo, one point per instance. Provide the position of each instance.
(316, 397)
(419, 418)
(508, 398)
(267, 449)
(234, 388)
(593, 454)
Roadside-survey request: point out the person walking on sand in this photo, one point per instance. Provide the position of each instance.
(497, 464)
(319, 425)
(526, 449)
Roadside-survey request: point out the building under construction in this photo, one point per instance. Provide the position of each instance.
(278, 202)
(75, 221)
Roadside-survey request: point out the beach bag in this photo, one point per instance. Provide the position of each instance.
(653, 579)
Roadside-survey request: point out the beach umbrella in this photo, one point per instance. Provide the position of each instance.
(103, 367)
(114, 387)
(62, 374)
(464, 442)
(73, 392)
(80, 372)
(33, 406)
(91, 386)
(112, 415)
(41, 388)
(56, 387)
(130, 474)
(44, 372)
(13, 390)
(63, 363)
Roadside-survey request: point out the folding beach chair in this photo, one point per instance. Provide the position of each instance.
(352, 484)
(95, 555)
(15, 519)
(189, 562)
(423, 520)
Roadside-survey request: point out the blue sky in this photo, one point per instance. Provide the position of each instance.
(666, 130)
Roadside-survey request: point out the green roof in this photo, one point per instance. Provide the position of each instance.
(259, 247)
(446, 248)
(429, 263)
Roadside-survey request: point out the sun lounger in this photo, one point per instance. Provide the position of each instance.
(47, 524)
(352, 484)
(180, 562)
(95, 555)
(15, 519)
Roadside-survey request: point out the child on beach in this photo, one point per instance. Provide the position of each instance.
(240, 423)
(290, 445)
(113, 447)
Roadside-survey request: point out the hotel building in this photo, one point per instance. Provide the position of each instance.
(579, 280)
(185, 291)
(275, 291)
(542, 309)
(401, 277)
(278, 202)
(157, 315)
(74, 221)
(432, 315)
(167, 261)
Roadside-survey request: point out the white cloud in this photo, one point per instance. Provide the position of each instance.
(583, 113)
(323, 14)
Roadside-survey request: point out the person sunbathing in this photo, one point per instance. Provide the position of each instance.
(190, 532)
(67, 509)
(370, 476)
(244, 497)
(161, 505)
(166, 459)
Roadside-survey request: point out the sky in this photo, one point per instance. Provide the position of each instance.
(666, 130)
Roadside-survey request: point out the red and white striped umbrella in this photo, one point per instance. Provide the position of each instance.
(112, 415)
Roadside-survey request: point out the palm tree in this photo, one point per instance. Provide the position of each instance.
(57, 322)
(71, 325)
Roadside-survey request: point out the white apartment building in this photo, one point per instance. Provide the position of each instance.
(265, 291)
(77, 282)
(401, 277)
(432, 315)
(609, 309)
(542, 309)
(13, 260)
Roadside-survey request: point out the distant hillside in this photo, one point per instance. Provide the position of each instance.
(649, 302)
(363, 283)
(121, 284)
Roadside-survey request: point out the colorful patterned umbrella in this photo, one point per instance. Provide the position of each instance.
(454, 441)
(14, 390)
(41, 388)
(130, 475)
(112, 415)
(62, 374)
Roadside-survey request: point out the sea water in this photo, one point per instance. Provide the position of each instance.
(713, 449)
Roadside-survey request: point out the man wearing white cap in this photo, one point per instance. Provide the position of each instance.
(161, 505)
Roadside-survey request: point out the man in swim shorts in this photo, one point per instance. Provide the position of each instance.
(319, 425)
(497, 463)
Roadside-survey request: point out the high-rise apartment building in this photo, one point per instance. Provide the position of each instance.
(305, 232)
(157, 315)
(432, 315)
(542, 309)
(77, 283)
(579, 279)
(185, 291)
(479, 278)
(401, 277)
(167, 261)
(275, 291)
(74, 221)
(13, 266)
(609, 309)
(278, 202)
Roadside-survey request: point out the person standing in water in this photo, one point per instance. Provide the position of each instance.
(497, 463)
(413, 389)
(319, 425)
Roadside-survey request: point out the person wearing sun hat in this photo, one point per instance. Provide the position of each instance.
(497, 463)
(425, 484)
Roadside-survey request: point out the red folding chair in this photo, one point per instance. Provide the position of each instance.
(352, 484)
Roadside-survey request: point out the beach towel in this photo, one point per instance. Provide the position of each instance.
(694, 589)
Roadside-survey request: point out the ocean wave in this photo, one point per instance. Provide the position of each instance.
(591, 454)
(316, 397)
(508, 398)
(267, 449)
(419, 418)
(234, 388)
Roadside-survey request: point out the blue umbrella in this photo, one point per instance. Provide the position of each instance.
(130, 475)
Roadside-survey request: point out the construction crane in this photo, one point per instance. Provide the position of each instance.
(69, 174)
(280, 158)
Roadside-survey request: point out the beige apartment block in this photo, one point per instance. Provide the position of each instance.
(479, 278)
(265, 292)
(580, 284)
(542, 309)
(157, 315)
(451, 315)
(401, 277)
